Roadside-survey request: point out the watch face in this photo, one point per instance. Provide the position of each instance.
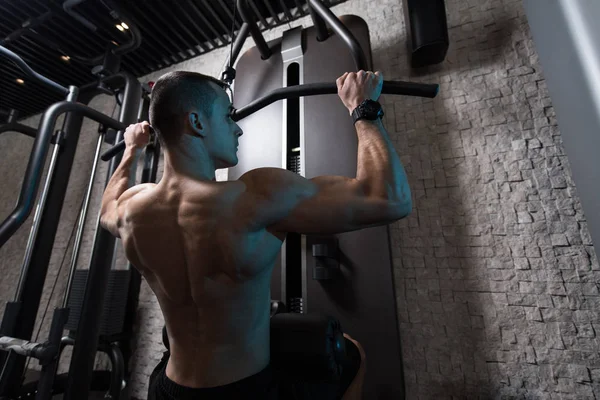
(372, 108)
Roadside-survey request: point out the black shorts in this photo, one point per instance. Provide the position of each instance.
(265, 385)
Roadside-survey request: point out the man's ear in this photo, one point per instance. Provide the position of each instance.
(197, 124)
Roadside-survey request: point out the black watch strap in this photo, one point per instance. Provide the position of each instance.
(357, 115)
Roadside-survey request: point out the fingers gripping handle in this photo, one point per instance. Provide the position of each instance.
(119, 147)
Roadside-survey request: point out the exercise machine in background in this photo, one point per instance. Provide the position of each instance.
(347, 276)
(99, 305)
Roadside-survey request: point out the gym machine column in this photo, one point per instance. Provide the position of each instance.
(346, 275)
(20, 315)
(86, 341)
(16, 310)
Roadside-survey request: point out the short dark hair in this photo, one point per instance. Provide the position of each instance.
(171, 97)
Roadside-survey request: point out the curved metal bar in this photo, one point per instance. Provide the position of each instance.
(259, 40)
(131, 45)
(35, 166)
(31, 73)
(136, 34)
(28, 26)
(68, 7)
(15, 127)
(312, 89)
(322, 32)
(344, 33)
(117, 373)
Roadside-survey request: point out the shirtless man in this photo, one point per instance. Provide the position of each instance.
(207, 248)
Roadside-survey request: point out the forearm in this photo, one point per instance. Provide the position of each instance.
(379, 166)
(120, 180)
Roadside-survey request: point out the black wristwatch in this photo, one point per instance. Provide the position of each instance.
(368, 109)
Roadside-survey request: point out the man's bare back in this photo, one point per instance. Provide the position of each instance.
(207, 248)
(211, 275)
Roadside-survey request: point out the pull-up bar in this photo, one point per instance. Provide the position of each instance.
(311, 89)
(321, 14)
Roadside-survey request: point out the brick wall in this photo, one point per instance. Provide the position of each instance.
(495, 269)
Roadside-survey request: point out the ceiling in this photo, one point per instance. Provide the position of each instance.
(171, 31)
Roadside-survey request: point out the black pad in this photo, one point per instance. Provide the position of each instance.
(310, 348)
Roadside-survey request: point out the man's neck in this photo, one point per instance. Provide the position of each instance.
(200, 169)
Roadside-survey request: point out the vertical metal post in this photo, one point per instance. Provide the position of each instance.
(46, 382)
(259, 40)
(322, 32)
(316, 6)
(35, 226)
(86, 341)
(29, 248)
(81, 222)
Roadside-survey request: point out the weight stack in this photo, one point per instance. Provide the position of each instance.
(427, 31)
(115, 301)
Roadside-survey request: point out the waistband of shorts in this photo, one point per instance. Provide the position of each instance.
(257, 382)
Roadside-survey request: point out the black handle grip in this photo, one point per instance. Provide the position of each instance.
(113, 151)
(429, 90)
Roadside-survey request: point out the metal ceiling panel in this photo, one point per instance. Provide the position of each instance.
(172, 31)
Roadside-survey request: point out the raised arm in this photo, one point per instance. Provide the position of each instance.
(117, 194)
(378, 195)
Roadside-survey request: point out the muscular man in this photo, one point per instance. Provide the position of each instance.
(207, 248)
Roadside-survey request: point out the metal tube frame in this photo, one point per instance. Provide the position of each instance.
(309, 89)
(316, 6)
(131, 45)
(19, 318)
(321, 11)
(51, 354)
(314, 89)
(87, 335)
(322, 32)
(16, 127)
(68, 7)
(259, 39)
(81, 221)
(37, 159)
(32, 23)
(35, 226)
(31, 73)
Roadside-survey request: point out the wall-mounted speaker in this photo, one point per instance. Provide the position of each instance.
(427, 31)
